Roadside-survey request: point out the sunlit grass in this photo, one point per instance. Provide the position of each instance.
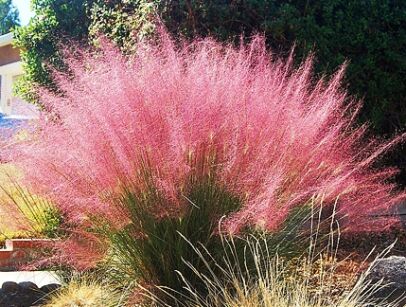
(273, 281)
(84, 292)
(23, 214)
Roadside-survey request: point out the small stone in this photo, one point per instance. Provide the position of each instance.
(49, 288)
(10, 287)
(45, 291)
(28, 285)
(5, 301)
(29, 300)
(29, 293)
(3, 297)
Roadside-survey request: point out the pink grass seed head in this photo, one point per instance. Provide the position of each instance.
(279, 136)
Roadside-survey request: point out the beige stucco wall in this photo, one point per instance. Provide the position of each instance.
(10, 70)
(9, 54)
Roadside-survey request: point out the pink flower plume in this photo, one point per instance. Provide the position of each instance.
(278, 137)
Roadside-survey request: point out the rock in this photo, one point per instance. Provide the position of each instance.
(29, 293)
(24, 294)
(5, 301)
(10, 287)
(9, 294)
(46, 291)
(3, 298)
(49, 288)
(28, 285)
(392, 272)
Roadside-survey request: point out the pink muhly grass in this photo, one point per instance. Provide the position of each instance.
(272, 134)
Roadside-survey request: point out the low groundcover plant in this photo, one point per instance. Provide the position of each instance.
(179, 136)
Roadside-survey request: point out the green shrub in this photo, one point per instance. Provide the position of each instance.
(150, 250)
(123, 22)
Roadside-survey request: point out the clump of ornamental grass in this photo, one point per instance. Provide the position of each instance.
(168, 142)
(84, 292)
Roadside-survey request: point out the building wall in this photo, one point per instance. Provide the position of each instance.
(10, 70)
(9, 54)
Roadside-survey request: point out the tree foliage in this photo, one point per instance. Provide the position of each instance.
(60, 22)
(8, 16)
(55, 22)
(123, 22)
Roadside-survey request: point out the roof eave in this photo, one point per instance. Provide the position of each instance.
(6, 39)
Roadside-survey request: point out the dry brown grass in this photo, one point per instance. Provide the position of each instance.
(84, 293)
